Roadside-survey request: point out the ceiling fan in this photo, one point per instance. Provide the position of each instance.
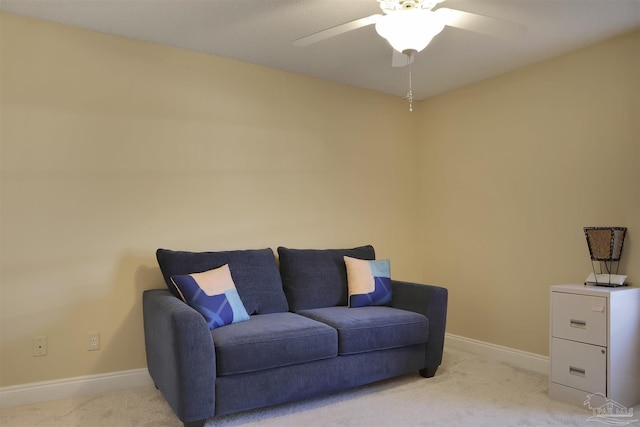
(410, 25)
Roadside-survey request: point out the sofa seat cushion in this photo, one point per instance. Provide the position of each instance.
(272, 340)
(371, 328)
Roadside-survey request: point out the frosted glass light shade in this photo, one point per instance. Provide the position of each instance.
(411, 29)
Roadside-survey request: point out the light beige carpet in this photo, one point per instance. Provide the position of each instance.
(467, 391)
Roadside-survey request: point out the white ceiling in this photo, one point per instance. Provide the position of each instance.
(261, 32)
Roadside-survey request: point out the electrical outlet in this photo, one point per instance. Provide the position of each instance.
(39, 346)
(93, 342)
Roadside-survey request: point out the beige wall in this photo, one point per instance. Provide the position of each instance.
(112, 148)
(512, 169)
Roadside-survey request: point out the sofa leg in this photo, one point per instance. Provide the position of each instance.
(199, 423)
(429, 371)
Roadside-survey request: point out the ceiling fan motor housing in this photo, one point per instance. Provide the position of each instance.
(392, 5)
(408, 4)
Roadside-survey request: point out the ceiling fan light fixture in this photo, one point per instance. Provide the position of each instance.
(409, 30)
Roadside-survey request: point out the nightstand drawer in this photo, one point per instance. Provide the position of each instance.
(577, 365)
(579, 318)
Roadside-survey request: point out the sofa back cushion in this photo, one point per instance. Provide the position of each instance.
(254, 272)
(315, 278)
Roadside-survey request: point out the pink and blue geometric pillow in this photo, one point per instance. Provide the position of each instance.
(213, 294)
(369, 282)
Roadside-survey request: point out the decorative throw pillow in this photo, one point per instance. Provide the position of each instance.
(369, 282)
(213, 294)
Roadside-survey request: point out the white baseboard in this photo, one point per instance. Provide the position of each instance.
(26, 394)
(520, 359)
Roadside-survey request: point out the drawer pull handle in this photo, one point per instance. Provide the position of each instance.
(577, 371)
(582, 324)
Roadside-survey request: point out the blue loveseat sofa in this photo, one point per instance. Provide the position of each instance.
(301, 339)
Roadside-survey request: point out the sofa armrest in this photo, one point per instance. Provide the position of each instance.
(432, 302)
(180, 355)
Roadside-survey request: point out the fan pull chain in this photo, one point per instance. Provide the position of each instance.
(410, 93)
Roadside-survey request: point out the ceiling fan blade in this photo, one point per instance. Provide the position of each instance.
(337, 30)
(400, 59)
(481, 24)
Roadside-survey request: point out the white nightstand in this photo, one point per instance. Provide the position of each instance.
(594, 344)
